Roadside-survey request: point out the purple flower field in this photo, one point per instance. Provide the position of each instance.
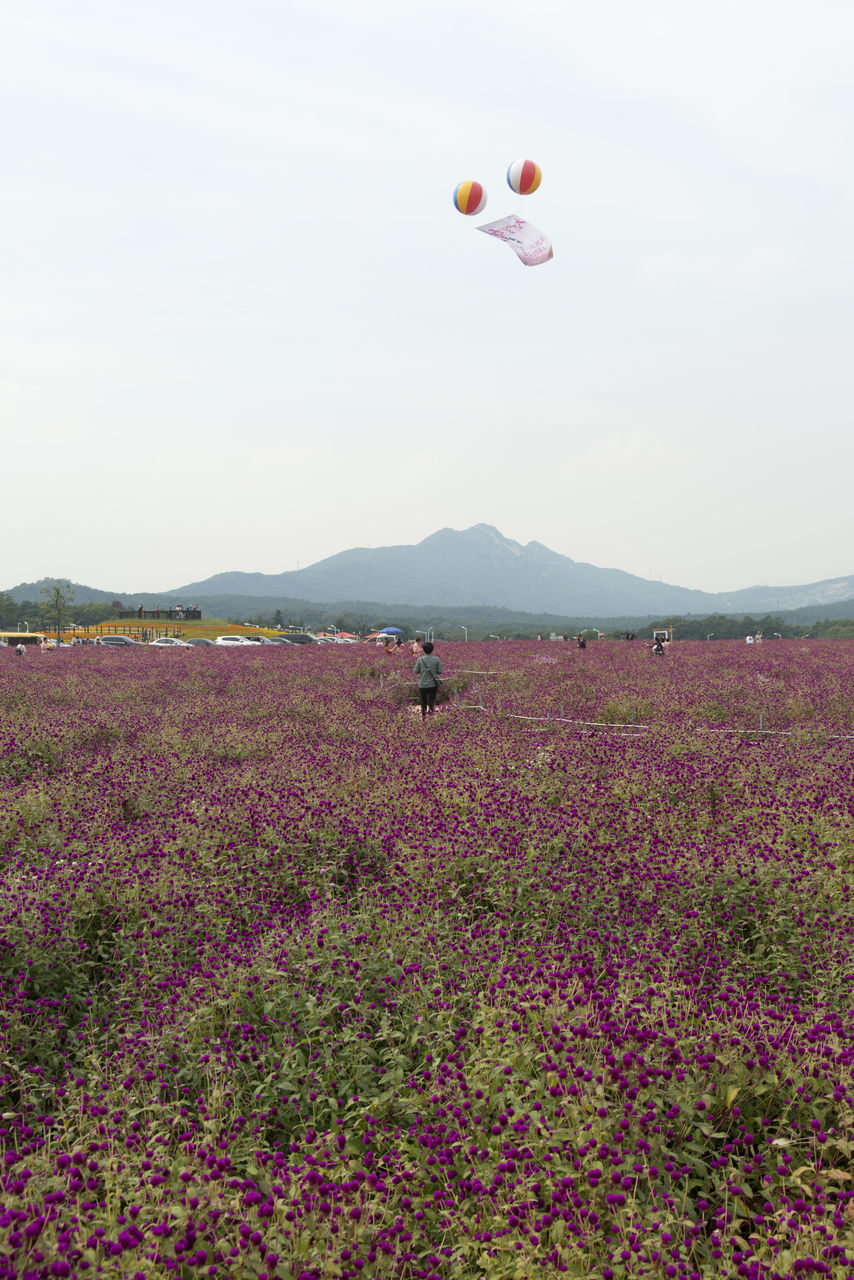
(296, 985)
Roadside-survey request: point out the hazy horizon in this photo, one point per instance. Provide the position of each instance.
(130, 588)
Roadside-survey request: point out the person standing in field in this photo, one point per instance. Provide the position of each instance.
(428, 669)
(416, 649)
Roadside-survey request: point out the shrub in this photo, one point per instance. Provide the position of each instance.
(451, 688)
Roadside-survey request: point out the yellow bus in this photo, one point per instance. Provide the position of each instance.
(21, 637)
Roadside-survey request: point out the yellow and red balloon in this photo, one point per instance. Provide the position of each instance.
(469, 197)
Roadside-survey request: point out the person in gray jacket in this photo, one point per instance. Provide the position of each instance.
(428, 669)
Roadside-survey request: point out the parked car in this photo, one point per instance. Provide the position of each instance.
(301, 638)
(280, 640)
(233, 641)
(168, 642)
(120, 642)
(198, 641)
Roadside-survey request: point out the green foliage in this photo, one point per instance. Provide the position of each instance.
(628, 709)
(838, 629)
(32, 612)
(9, 612)
(55, 600)
(405, 692)
(723, 627)
(89, 615)
(29, 759)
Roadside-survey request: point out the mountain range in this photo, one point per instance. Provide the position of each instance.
(476, 567)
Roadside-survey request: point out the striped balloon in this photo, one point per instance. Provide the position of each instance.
(469, 197)
(524, 176)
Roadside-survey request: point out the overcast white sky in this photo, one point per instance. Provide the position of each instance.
(243, 327)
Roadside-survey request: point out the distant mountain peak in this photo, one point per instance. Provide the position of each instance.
(480, 566)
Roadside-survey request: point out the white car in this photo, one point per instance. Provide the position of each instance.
(168, 642)
(232, 641)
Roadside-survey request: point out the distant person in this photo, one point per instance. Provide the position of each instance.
(748, 639)
(20, 649)
(416, 649)
(581, 642)
(428, 669)
(398, 644)
(658, 647)
(758, 638)
(539, 636)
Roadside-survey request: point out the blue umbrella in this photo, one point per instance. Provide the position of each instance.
(391, 631)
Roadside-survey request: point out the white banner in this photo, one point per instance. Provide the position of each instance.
(529, 244)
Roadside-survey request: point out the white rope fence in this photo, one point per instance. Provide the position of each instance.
(632, 728)
(625, 729)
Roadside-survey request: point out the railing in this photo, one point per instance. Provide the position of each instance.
(150, 632)
(174, 614)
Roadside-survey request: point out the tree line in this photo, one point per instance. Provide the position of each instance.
(453, 624)
(53, 611)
